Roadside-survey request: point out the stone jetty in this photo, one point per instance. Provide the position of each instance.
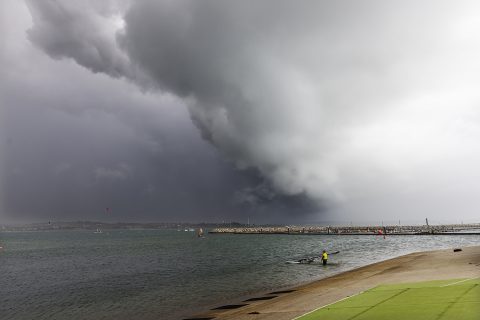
(451, 229)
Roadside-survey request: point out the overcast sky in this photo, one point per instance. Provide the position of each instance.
(277, 111)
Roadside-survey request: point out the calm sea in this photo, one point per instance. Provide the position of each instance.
(158, 274)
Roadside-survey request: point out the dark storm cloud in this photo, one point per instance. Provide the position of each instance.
(69, 155)
(73, 143)
(324, 98)
(366, 108)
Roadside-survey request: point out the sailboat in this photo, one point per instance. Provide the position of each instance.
(200, 232)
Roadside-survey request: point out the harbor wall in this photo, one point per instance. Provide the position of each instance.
(355, 230)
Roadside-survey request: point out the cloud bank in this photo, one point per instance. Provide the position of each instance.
(361, 106)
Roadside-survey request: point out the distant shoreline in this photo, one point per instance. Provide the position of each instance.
(237, 228)
(93, 225)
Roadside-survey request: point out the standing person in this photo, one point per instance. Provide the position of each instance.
(324, 257)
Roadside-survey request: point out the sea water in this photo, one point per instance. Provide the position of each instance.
(169, 274)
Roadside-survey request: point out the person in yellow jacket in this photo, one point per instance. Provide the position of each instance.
(324, 257)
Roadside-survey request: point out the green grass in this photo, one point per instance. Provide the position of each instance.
(432, 300)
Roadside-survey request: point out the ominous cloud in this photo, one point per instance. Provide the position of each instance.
(369, 109)
(74, 142)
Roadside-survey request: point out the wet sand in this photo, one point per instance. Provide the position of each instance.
(421, 266)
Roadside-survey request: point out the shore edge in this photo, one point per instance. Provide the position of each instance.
(288, 304)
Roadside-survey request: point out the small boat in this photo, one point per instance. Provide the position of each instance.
(98, 231)
(200, 233)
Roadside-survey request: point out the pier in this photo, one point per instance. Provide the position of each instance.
(450, 229)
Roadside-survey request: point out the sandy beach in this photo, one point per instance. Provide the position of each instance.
(420, 266)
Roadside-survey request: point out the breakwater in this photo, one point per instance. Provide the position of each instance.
(454, 229)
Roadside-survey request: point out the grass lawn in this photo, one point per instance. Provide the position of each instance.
(443, 299)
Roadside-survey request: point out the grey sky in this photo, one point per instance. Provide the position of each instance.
(308, 110)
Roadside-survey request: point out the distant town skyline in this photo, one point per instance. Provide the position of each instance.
(271, 111)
